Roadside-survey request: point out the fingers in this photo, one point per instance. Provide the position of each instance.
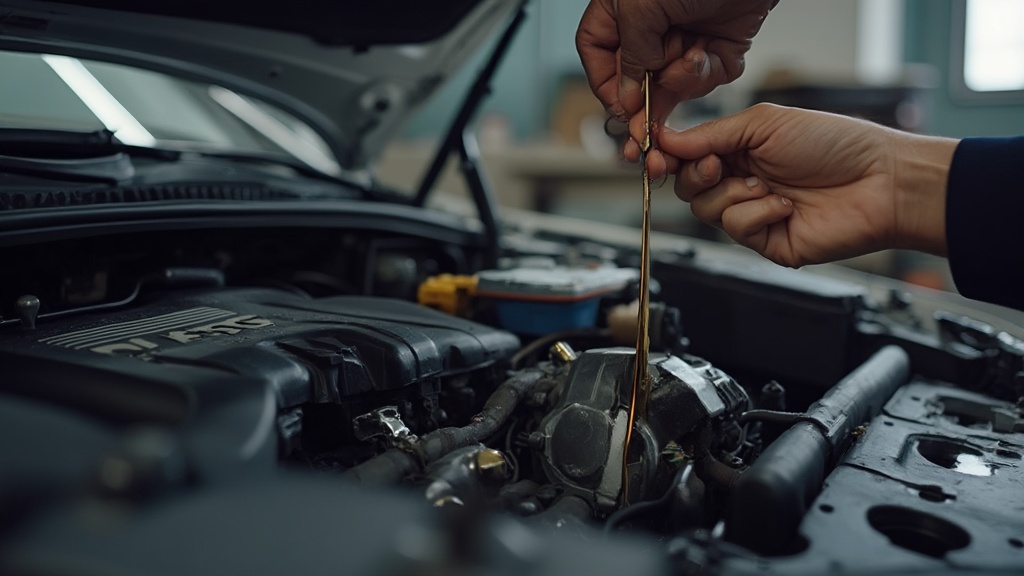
(637, 129)
(597, 41)
(704, 42)
(709, 206)
(658, 165)
(690, 72)
(631, 151)
(744, 207)
(726, 60)
(698, 176)
(744, 130)
(662, 104)
(688, 77)
(747, 222)
(642, 27)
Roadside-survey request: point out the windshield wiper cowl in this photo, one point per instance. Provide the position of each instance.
(112, 169)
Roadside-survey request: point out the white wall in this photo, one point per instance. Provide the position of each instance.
(823, 39)
(812, 37)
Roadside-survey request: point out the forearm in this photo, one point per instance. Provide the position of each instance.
(921, 167)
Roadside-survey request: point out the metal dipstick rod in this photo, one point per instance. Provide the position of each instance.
(641, 376)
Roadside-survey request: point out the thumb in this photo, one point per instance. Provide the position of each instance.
(723, 136)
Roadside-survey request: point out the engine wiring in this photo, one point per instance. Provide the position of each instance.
(510, 453)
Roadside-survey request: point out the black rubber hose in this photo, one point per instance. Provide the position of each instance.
(859, 397)
(640, 508)
(387, 468)
(710, 469)
(771, 497)
(569, 514)
(494, 414)
(395, 465)
(771, 416)
(716, 473)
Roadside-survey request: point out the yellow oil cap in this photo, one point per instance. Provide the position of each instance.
(451, 293)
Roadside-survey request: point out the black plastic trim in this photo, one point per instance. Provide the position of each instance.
(85, 221)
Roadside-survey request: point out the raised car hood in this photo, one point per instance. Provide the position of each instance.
(353, 70)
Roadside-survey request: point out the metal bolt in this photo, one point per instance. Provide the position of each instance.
(28, 310)
(562, 352)
(491, 464)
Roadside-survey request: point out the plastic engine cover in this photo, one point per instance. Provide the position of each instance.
(226, 357)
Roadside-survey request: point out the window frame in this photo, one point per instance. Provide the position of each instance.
(959, 90)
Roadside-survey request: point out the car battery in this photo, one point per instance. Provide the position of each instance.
(542, 300)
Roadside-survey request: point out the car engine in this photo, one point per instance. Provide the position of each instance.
(226, 348)
(288, 401)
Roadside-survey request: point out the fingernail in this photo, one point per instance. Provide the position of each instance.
(695, 64)
(705, 66)
(786, 201)
(751, 181)
(627, 85)
(702, 168)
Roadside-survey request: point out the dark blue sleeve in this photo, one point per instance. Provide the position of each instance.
(985, 220)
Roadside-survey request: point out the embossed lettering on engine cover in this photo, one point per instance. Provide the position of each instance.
(229, 326)
(147, 334)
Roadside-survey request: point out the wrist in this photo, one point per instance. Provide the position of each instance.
(920, 180)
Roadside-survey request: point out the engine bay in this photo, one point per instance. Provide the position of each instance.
(223, 379)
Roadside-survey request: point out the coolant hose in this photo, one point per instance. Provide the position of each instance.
(771, 497)
(396, 464)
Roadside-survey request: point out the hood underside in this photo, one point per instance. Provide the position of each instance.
(353, 71)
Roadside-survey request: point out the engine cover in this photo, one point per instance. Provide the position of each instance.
(228, 361)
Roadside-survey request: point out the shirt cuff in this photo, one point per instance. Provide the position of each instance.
(984, 226)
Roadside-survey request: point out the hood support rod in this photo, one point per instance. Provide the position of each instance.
(460, 140)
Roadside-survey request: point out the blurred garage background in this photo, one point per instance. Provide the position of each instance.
(945, 67)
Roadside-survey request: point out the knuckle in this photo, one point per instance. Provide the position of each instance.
(710, 127)
(702, 212)
(688, 186)
(738, 227)
(708, 170)
(683, 192)
(765, 108)
(731, 227)
(739, 191)
(581, 43)
(695, 173)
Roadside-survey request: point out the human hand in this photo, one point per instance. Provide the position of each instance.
(691, 46)
(803, 187)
